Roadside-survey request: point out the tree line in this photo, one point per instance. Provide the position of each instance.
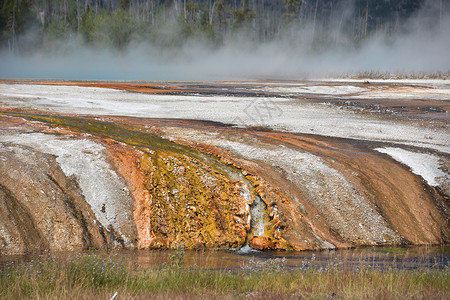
(170, 23)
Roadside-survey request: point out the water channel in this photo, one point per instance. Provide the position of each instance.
(382, 258)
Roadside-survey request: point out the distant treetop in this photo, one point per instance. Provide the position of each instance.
(319, 23)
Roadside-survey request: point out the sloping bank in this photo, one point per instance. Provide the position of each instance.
(69, 183)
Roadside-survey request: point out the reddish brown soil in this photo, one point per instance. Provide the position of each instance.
(126, 161)
(132, 87)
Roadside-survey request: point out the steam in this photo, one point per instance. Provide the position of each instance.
(421, 46)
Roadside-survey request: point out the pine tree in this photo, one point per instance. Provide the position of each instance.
(291, 9)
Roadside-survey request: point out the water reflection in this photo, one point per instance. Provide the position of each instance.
(370, 257)
(380, 258)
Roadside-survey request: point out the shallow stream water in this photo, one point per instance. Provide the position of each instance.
(380, 258)
(373, 257)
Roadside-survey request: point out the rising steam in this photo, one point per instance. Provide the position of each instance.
(422, 45)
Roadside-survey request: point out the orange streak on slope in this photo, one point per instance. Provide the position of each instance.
(126, 162)
(132, 87)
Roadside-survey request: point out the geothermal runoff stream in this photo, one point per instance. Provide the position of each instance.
(255, 167)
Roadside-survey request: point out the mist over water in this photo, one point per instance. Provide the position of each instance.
(421, 46)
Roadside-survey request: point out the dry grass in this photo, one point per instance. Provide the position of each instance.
(91, 276)
(395, 75)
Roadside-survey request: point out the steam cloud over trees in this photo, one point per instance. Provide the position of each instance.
(238, 36)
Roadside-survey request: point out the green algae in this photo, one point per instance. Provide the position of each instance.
(105, 129)
(131, 135)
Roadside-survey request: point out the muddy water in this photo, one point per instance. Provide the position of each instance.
(379, 258)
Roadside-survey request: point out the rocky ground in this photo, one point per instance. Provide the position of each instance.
(286, 165)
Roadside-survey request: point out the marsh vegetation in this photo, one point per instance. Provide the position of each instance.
(92, 275)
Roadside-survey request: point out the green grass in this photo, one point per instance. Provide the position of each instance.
(394, 250)
(90, 276)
